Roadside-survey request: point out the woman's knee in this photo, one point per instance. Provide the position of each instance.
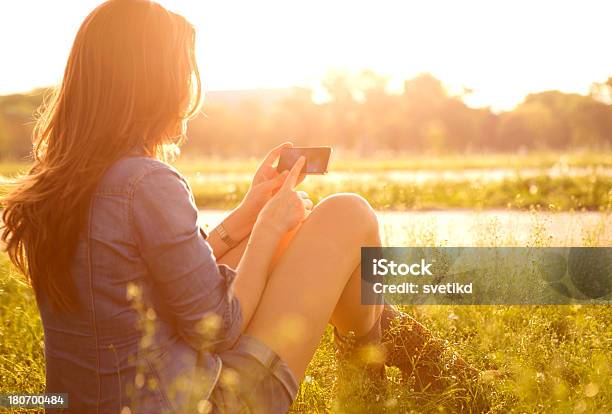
(350, 211)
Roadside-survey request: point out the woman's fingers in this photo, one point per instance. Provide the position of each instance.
(301, 179)
(292, 178)
(302, 194)
(278, 181)
(275, 152)
(275, 183)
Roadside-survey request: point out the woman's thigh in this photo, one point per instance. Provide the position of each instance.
(310, 276)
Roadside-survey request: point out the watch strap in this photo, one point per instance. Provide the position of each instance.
(223, 235)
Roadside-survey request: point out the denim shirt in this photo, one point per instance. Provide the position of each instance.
(155, 307)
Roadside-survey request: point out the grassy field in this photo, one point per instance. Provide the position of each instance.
(555, 359)
(382, 163)
(551, 181)
(390, 162)
(454, 181)
(593, 192)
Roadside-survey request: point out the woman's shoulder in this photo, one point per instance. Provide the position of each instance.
(125, 173)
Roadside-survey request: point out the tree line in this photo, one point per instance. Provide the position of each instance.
(361, 115)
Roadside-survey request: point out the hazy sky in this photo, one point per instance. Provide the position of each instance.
(501, 49)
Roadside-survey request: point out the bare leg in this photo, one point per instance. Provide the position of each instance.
(349, 308)
(317, 279)
(343, 315)
(291, 334)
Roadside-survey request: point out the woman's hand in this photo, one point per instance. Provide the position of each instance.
(287, 208)
(265, 184)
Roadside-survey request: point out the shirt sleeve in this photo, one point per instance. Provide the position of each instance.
(196, 290)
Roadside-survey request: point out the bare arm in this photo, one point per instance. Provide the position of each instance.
(280, 215)
(241, 220)
(238, 224)
(253, 268)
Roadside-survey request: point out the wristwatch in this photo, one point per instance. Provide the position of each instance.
(224, 236)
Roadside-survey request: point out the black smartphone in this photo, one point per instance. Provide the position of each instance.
(317, 159)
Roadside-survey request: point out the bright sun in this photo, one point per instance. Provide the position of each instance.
(501, 50)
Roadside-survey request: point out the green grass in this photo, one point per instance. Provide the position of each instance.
(414, 162)
(432, 182)
(21, 336)
(390, 162)
(556, 359)
(591, 192)
(585, 185)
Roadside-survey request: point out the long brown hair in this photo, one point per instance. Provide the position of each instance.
(130, 83)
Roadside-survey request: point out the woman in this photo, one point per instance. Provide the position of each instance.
(142, 311)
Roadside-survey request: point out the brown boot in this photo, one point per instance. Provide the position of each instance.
(419, 355)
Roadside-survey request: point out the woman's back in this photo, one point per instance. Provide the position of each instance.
(123, 340)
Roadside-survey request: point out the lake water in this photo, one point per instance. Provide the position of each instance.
(483, 228)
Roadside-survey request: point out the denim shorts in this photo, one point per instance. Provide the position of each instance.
(253, 379)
